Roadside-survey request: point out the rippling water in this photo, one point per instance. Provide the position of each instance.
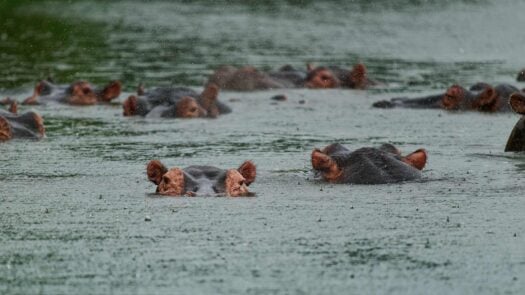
(73, 205)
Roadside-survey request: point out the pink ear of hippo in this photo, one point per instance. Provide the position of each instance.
(13, 107)
(111, 91)
(130, 106)
(417, 159)
(517, 102)
(358, 76)
(5, 129)
(248, 171)
(155, 171)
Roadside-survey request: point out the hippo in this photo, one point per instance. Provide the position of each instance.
(516, 141)
(175, 102)
(249, 78)
(368, 165)
(479, 97)
(29, 125)
(201, 180)
(78, 93)
(336, 77)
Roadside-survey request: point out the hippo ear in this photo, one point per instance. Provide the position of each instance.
(309, 67)
(248, 171)
(130, 106)
(111, 91)
(210, 92)
(487, 96)
(140, 89)
(33, 99)
(358, 76)
(208, 100)
(517, 102)
(417, 159)
(5, 129)
(321, 161)
(13, 107)
(155, 171)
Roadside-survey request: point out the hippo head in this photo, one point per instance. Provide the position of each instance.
(27, 125)
(188, 107)
(521, 76)
(333, 159)
(201, 180)
(454, 98)
(517, 103)
(487, 100)
(81, 93)
(321, 77)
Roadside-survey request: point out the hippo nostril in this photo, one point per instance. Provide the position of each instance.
(195, 189)
(193, 110)
(166, 179)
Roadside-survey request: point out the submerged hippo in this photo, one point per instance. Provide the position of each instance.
(28, 125)
(337, 164)
(77, 93)
(250, 79)
(516, 141)
(201, 180)
(175, 102)
(335, 77)
(479, 97)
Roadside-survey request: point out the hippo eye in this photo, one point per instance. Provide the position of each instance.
(166, 179)
(241, 182)
(193, 109)
(86, 90)
(195, 189)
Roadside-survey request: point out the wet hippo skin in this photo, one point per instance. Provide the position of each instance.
(175, 102)
(368, 165)
(479, 97)
(250, 79)
(77, 93)
(516, 141)
(28, 125)
(335, 77)
(201, 180)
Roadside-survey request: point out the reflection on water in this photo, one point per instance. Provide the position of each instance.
(165, 43)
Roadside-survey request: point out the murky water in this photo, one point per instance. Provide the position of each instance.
(73, 205)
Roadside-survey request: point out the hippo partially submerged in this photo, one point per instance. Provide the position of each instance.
(516, 141)
(28, 125)
(337, 164)
(479, 97)
(201, 180)
(176, 102)
(79, 93)
(249, 78)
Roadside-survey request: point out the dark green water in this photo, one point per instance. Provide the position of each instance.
(73, 206)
